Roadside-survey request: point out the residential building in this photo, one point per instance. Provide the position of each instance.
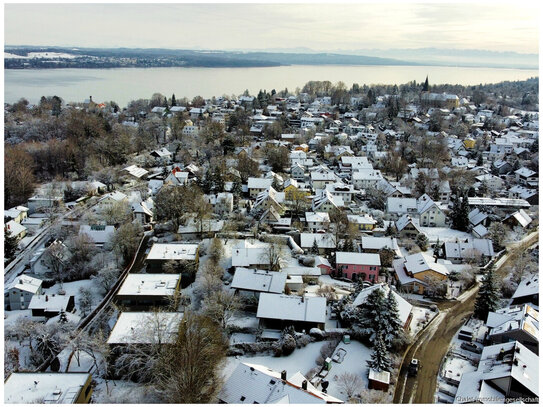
(515, 323)
(48, 388)
(419, 273)
(19, 293)
(252, 282)
(144, 291)
(358, 266)
(163, 252)
(277, 311)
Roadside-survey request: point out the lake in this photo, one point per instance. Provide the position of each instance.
(125, 84)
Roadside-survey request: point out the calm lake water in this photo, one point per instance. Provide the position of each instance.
(125, 84)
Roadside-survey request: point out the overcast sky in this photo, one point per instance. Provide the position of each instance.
(509, 26)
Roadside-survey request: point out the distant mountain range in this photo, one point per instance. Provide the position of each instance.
(21, 57)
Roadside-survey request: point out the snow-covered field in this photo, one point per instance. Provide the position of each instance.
(46, 55)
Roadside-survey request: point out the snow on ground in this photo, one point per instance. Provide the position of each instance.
(301, 360)
(122, 391)
(11, 316)
(46, 55)
(421, 316)
(354, 362)
(327, 279)
(239, 337)
(244, 320)
(445, 234)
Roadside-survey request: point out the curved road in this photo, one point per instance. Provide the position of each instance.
(432, 344)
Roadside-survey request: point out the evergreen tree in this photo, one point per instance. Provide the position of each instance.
(460, 212)
(391, 230)
(437, 247)
(393, 324)
(372, 316)
(426, 86)
(487, 299)
(348, 245)
(207, 181)
(422, 241)
(315, 247)
(10, 244)
(480, 160)
(217, 180)
(174, 102)
(379, 358)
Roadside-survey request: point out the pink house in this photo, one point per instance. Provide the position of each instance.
(358, 266)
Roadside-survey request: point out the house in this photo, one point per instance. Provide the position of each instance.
(366, 178)
(528, 194)
(39, 203)
(48, 388)
(325, 242)
(527, 291)
(297, 171)
(51, 305)
(458, 252)
(323, 264)
(317, 221)
(430, 214)
(363, 223)
(145, 328)
(143, 291)
(277, 311)
(319, 179)
(371, 244)
(258, 185)
(293, 190)
(341, 190)
(407, 227)
(16, 214)
(142, 211)
(177, 177)
(16, 229)
(358, 266)
(113, 198)
(252, 282)
(325, 202)
(506, 372)
(349, 164)
(257, 384)
(378, 380)
(490, 181)
(519, 218)
(270, 199)
(477, 217)
(419, 273)
(527, 177)
(19, 293)
(163, 252)
(100, 234)
(396, 207)
(502, 167)
(515, 323)
(246, 255)
(162, 155)
(405, 313)
(136, 171)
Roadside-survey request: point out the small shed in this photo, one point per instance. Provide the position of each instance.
(378, 380)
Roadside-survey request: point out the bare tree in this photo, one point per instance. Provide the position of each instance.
(55, 258)
(274, 255)
(221, 307)
(350, 384)
(188, 372)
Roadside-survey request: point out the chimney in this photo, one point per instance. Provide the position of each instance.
(284, 375)
(304, 385)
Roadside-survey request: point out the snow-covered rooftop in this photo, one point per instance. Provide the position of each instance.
(368, 259)
(259, 280)
(173, 251)
(26, 283)
(149, 284)
(292, 308)
(44, 388)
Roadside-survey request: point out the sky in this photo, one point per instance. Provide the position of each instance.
(495, 26)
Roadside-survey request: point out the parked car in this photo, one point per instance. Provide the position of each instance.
(413, 367)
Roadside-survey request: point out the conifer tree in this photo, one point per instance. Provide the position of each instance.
(379, 358)
(10, 244)
(393, 324)
(426, 86)
(174, 102)
(460, 213)
(315, 247)
(487, 299)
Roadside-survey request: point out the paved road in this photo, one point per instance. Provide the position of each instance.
(432, 344)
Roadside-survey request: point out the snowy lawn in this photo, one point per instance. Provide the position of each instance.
(301, 360)
(122, 392)
(421, 316)
(244, 320)
(354, 362)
